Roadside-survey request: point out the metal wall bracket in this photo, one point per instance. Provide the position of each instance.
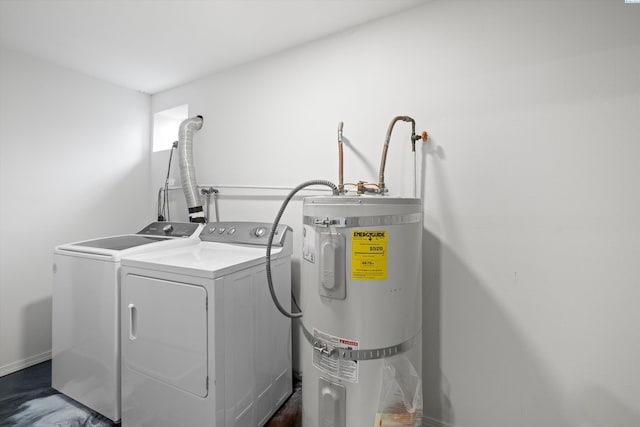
(327, 222)
(362, 221)
(366, 354)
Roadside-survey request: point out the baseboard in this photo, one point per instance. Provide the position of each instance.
(432, 422)
(24, 363)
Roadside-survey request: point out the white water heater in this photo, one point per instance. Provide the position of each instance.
(362, 302)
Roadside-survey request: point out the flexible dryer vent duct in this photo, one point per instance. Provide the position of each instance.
(187, 173)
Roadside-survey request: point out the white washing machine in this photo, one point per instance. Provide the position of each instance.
(86, 311)
(202, 343)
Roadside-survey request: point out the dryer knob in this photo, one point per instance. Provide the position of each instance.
(260, 231)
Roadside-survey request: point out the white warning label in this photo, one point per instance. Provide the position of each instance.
(346, 370)
(309, 244)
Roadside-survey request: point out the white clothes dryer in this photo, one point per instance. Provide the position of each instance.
(86, 311)
(202, 342)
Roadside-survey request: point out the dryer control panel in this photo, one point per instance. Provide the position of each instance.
(173, 229)
(243, 233)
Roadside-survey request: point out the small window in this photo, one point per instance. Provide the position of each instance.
(166, 125)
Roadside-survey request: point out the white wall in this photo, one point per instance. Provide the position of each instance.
(531, 232)
(74, 164)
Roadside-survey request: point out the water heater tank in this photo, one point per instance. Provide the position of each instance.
(362, 302)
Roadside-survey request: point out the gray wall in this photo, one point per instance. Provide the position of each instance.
(530, 233)
(529, 183)
(74, 164)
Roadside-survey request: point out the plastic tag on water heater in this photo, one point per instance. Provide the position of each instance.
(332, 405)
(332, 280)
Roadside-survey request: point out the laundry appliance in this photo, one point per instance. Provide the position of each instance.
(202, 343)
(86, 311)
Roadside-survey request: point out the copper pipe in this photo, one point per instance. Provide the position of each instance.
(340, 160)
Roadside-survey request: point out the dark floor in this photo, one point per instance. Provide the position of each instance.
(27, 400)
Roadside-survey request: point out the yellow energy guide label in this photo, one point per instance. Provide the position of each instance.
(369, 255)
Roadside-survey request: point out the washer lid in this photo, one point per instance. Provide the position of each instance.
(115, 247)
(120, 243)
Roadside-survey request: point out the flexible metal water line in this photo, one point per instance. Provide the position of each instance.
(164, 213)
(385, 148)
(340, 159)
(187, 173)
(279, 306)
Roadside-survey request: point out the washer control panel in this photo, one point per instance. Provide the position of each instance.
(243, 233)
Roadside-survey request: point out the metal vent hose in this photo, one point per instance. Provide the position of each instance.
(187, 173)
